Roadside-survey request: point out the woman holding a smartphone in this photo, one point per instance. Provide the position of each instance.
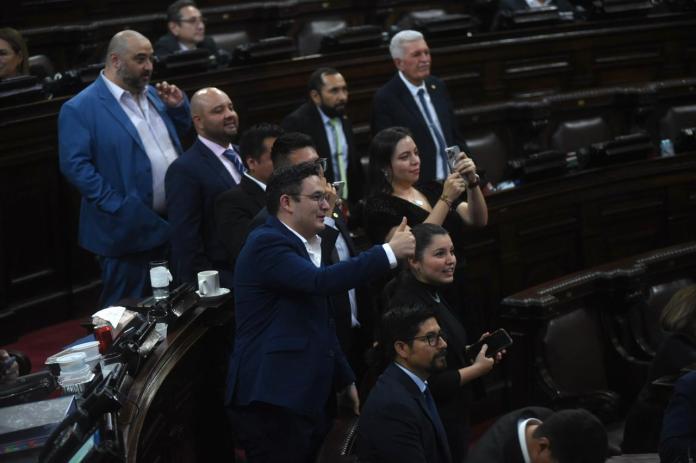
(427, 273)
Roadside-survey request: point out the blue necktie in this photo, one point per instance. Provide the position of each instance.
(438, 135)
(435, 416)
(235, 160)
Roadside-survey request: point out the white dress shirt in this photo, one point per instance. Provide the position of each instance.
(522, 436)
(328, 128)
(153, 134)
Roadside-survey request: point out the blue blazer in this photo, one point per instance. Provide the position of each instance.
(192, 184)
(395, 424)
(678, 439)
(393, 106)
(286, 352)
(102, 155)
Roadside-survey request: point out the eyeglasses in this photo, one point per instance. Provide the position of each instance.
(194, 20)
(322, 163)
(317, 197)
(432, 338)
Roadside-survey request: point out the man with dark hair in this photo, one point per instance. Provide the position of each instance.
(400, 421)
(209, 167)
(186, 27)
(235, 208)
(419, 101)
(117, 138)
(324, 119)
(286, 358)
(538, 435)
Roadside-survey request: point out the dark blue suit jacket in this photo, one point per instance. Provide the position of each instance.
(678, 439)
(395, 424)
(393, 105)
(286, 352)
(102, 155)
(192, 184)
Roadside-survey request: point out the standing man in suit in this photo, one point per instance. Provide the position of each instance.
(416, 100)
(186, 27)
(116, 139)
(324, 119)
(235, 208)
(286, 359)
(400, 421)
(193, 182)
(538, 435)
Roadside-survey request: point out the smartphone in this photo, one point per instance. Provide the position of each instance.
(452, 155)
(497, 341)
(338, 186)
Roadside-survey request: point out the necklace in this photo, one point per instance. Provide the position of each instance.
(412, 199)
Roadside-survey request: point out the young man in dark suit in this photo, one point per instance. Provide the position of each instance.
(235, 208)
(186, 27)
(419, 101)
(211, 166)
(538, 435)
(400, 421)
(324, 119)
(286, 359)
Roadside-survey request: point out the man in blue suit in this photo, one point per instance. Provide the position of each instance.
(210, 167)
(400, 421)
(678, 437)
(286, 359)
(416, 100)
(116, 139)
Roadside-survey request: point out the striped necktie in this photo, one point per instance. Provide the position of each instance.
(235, 160)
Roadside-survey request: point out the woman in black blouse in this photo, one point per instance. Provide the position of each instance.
(427, 273)
(393, 174)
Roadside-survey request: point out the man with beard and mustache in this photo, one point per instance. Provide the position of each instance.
(324, 119)
(400, 421)
(117, 138)
(210, 167)
(419, 101)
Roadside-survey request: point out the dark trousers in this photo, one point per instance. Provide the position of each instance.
(127, 277)
(271, 434)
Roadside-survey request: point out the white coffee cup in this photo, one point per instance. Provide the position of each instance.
(208, 283)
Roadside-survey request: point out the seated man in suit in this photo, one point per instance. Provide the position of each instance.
(400, 421)
(235, 208)
(324, 119)
(193, 182)
(420, 102)
(678, 438)
(117, 138)
(538, 435)
(186, 32)
(286, 358)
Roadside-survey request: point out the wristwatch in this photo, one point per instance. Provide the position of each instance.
(474, 184)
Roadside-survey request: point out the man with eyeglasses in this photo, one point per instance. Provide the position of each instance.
(286, 359)
(400, 421)
(186, 32)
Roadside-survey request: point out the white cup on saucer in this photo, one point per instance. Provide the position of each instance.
(208, 283)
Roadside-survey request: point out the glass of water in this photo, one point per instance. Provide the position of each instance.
(160, 277)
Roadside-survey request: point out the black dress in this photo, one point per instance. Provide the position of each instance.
(451, 398)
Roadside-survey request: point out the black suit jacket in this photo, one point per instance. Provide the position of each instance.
(234, 211)
(395, 425)
(306, 119)
(500, 444)
(168, 44)
(394, 105)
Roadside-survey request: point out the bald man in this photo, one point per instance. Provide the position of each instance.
(116, 140)
(210, 167)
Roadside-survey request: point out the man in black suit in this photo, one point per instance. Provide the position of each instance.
(186, 32)
(416, 100)
(209, 167)
(538, 435)
(324, 119)
(399, 421)
(235, 208)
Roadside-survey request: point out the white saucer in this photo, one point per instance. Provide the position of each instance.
(210, 297)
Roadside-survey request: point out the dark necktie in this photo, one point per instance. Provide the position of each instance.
(235, 160)
(441, 144)
(435, 416)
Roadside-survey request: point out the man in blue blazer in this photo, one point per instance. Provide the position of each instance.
(400, 421)
(416, 100)
(678, 438)
(286, 359)
(210, 167)
(116, 139)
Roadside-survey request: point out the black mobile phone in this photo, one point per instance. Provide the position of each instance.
(497, 341)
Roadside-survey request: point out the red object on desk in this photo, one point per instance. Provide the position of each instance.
(103, 335)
